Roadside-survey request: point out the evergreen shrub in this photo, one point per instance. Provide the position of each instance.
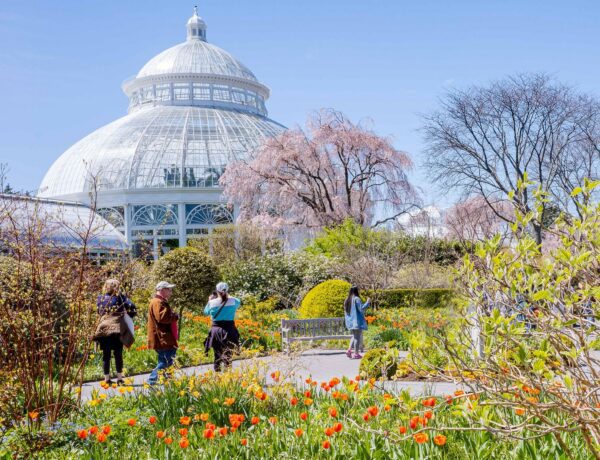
(325, 300)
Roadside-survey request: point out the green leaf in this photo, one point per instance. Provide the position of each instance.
(576, 191)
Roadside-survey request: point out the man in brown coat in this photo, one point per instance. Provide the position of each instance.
(160, 329)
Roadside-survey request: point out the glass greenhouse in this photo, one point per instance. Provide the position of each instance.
(59, 224)
(193, 109)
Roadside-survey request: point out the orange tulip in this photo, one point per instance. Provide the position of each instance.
(294, 401)
(101, 437)
(160, 434)
(308, 402)
(185, 420)
(208, 434)
(402, 430)
(333, 412)
(307, 394)
(184, 443)
(168, 441)
(254, 420)
(82, 434)
(298, 432)
(366, 417)
(229, 401)
(183, 432)
(223, 431)
(387, 408)
(152, 420)
(326, 444)
(428, 414)
(439, 440)
(421, 438)
(243, 441)
(131, 422)
(204, 417)
(273, 420)
(93, 429)
(329, 431)
(106, 429)
(520, 411)
(33, 415)
(303, 415)
(373, 411)
(338, 427)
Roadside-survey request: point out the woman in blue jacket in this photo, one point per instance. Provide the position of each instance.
(355, 321)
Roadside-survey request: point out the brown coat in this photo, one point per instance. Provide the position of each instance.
(160, 317)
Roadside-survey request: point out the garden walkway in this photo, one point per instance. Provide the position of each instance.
(321, 365)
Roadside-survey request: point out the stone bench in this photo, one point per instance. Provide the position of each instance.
(312, 329)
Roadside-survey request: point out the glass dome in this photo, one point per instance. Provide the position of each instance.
(196, 57)
(162, 147)
(192, 109)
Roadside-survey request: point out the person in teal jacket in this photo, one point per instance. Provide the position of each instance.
(223, 336)
(355, 321)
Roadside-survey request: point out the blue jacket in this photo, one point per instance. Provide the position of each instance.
(356, 318)
(107, 303)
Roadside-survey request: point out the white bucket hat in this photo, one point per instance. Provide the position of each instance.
(222, 287)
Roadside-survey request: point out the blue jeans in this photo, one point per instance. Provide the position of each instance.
(165, 360)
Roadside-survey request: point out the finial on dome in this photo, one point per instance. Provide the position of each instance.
(196, 27)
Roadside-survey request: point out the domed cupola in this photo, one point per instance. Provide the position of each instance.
(196, 27)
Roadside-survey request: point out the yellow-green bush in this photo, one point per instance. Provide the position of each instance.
(325, 300)
(379, 362)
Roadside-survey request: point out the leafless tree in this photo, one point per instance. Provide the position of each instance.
(485, 140)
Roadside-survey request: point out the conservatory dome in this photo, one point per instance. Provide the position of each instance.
(193, 109)
(197, 57)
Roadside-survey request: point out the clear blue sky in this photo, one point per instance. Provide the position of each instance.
(62, 62)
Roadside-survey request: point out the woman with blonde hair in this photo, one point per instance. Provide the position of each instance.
(112, 306)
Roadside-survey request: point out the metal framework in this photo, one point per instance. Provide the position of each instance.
(193, 109)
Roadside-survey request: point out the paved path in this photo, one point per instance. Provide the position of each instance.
(320, 365)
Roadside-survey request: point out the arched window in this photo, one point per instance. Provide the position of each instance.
(155, 215)
(208, 214)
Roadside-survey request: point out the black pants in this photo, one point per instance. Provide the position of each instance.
(223, 338)
(110, 344)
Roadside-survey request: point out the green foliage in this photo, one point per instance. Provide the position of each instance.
(379, 362)
(257, 310)
(192, 271)
(388, 338)
(423, 275)
(345, 240)
(414, 298)
(325, 300)
(285, 276)
(529, 316)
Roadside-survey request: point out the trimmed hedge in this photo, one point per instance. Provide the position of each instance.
(424, 298)
(325, 300)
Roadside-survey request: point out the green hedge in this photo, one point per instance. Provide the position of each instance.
(325, 300)
(424, 298)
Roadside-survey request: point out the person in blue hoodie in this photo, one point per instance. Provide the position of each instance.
(354, 310)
